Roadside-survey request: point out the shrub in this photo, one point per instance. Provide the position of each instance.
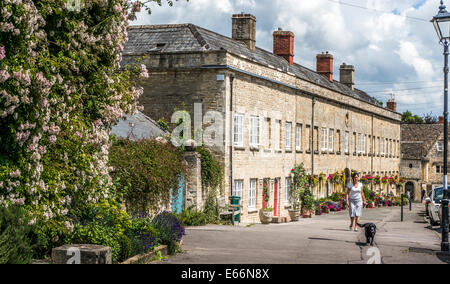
(145, 172)
(15, 236)
(170, 230)
(193, 217)
(142, 235)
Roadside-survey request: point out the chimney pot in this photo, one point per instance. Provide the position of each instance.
(325, 65)
(347, 75)
(244, 29)
(441, 120)
(392, 105)
(283, 45)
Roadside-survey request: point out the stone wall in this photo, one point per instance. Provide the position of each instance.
(177, 81)
(193, 181)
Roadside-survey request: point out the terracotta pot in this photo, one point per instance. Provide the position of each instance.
(294, 215)
(306, 214)
(265, 216)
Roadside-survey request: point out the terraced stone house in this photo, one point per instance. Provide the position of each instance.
(422, 162)
(276, 113)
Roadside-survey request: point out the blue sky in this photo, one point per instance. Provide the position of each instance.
(392, 44)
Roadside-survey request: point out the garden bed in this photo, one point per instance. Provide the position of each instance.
(149, 257)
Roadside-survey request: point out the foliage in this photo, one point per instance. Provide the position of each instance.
(308, 203)
(408, 117)
(211, 210)
(170, 230)
(163, 124)
(266, 193)
(430, 118)
(145, 172)
(212, 170)
(366, 192)
(192, 217)
(300, 183)
(16, 236)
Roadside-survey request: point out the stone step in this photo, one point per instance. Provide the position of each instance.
(279, 220)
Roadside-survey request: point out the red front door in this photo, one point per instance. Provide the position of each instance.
(275, 199)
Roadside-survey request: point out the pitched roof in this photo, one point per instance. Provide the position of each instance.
(138, 126)
(191, 38)
(417, 139)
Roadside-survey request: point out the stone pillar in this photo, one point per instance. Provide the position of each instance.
(82, 254)
(193, 195)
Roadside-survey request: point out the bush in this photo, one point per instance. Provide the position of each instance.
(15, 236)
(170, 230)
(142, 235)
(193, 217)
(145, 173)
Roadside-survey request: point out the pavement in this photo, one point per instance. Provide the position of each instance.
(322, 239)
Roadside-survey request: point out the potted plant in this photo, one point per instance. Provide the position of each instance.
(300, 183)
(265, 215)
(308, 206)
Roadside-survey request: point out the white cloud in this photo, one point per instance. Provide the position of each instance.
(383, 47)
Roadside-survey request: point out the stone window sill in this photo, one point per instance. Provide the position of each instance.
(287, 206)
(299, 151)
(316, 152)
(252, 211)
(254, 149)
(239, 148)
(288, 151)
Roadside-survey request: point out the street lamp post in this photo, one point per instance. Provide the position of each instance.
(441, 23)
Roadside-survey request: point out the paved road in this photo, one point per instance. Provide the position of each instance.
(323, 239)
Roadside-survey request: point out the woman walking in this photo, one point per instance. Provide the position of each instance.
(355, 201)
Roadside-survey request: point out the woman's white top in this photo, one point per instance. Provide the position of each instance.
(355, 192)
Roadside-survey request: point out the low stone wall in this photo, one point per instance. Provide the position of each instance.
(82, 254)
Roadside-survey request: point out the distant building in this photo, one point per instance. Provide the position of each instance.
(276, 113)
(422, 162)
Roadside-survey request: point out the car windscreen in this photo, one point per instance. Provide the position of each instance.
(438, 195)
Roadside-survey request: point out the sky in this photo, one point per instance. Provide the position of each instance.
(392, 44)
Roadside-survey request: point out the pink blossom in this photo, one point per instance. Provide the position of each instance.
(15, 174)
(2, 52)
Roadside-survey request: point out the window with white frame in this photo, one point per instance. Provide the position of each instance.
(252, 194)
(358, 143)
(238, 130)
(331, 140)
(440, 147)
(324, 139)
(287, 191)
(237, 190)
(288, 135)
(347, 142)
(298, 137)
(382, 146)
(364, 149)
(254, 131)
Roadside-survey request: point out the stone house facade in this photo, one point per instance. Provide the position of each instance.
(422, 157)
(274, 113)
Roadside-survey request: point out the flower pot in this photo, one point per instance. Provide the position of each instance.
(307, 214)
(294, 215)
(265, 216)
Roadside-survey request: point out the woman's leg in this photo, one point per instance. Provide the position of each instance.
(357, 222)
(352, 219)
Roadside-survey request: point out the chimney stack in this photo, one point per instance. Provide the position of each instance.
(392, 105)
(325, 65)
(347, 75)
(283, 45)
(244, 29)
(441, 120)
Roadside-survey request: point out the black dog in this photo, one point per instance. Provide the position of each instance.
(371, 230)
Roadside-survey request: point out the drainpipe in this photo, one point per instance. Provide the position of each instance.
(312, 134)
(373, 152)
(231, 133)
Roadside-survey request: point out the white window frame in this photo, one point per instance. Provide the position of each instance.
(254, 131)
(382, 146)
(331, 140)
(288, 135)
(238, 187)
(347, 142)
(252, 194)
(364, 149)
(238, 130)
(287, 190)
(440, 147)
(324, 139)
(298, 137)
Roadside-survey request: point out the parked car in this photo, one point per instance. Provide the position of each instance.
(440, 207)
(434, 204)
(427, 202)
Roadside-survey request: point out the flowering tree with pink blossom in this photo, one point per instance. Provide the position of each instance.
(61, 89)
